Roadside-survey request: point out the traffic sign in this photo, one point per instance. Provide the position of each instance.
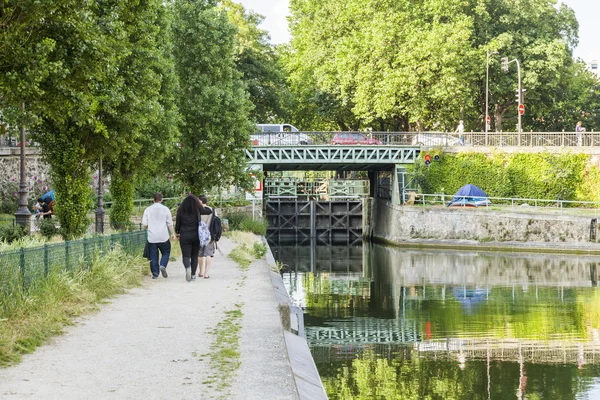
(521, 109)
(488, 120)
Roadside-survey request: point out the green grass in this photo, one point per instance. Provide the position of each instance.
(6, 220)
(29, 318)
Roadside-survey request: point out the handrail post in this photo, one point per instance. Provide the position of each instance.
(46, 266)
(22, 265)
(67, 254)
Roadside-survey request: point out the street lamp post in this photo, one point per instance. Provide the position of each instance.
(487, 91)
(23, 215)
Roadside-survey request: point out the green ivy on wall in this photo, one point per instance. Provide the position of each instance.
(523, 175)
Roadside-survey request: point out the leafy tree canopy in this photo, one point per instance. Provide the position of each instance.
(422, 64)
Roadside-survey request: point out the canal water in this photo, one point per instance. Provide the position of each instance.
(390, 323)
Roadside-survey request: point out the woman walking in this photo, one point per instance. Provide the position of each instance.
(186, 228)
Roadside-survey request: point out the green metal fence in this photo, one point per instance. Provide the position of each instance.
(23, 267)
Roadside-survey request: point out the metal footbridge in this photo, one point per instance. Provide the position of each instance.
(326, 157)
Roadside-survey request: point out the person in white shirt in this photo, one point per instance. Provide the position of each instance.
(460, 129)
(157, 218)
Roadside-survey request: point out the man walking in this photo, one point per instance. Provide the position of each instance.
(207, 252)
(157, 218)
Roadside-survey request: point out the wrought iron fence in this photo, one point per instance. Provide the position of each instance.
(22, 268)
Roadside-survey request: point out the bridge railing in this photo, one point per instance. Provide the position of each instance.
(429, 139)
(323, 189)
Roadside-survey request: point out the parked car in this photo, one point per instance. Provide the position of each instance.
(437, 139)
(353, 138)
(278, 135)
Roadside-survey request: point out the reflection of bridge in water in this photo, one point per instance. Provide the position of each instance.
(558, 351)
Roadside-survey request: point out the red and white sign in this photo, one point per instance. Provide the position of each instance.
(521, 109)
(488, 120)
(258, 190)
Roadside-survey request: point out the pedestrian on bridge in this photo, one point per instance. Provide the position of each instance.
(157, 218)
(579, 129)
(460, 129)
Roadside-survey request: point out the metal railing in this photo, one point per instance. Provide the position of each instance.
(429, 139)
(24, 267)
(322, 189)
(512, 203)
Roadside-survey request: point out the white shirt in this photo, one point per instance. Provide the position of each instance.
(158, 219)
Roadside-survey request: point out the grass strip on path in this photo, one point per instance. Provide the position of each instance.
(224, 355)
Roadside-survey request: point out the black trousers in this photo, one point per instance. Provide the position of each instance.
(190, 246)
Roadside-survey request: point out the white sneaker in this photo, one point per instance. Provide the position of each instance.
(193, 277)
(188, 274)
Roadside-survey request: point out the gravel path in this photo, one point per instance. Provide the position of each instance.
(151, 343)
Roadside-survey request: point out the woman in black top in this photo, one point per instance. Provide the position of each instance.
(186, 227)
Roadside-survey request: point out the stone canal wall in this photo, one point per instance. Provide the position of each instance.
(398, 224)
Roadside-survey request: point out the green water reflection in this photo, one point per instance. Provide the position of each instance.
(387, 323)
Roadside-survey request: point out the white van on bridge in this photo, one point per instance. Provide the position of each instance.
(278, 135)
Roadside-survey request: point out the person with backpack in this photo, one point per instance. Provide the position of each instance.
(187, 223)
(207, 250)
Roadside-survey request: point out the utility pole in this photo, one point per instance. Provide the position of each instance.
(487, 90)
(520, 106)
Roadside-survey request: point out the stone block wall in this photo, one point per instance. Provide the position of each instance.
(400, 223)
(10, 164)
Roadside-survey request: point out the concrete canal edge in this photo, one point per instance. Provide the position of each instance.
(481, 229)
(306, 377)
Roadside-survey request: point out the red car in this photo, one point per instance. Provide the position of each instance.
(353, 138)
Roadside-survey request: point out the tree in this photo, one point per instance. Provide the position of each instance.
(383, 61)
(257, 60)
(212, 98)
(57, 56)
(421, 64)
(139, 113)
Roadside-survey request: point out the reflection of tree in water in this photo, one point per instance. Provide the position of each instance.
(402, 376)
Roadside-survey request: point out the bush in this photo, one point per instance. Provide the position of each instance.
(257, 226)
(244, 222)
(146, 188)
(259, 249)
(9, 198)
(47, 228)
(10, 234)
(524, 175)
(235, 220)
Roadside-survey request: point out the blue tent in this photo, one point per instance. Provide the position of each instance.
(469, 196)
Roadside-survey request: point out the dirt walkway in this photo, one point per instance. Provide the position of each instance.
(151, 343)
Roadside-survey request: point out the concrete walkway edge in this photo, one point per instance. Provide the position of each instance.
(305, 373)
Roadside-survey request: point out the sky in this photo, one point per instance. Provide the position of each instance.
(586, 11)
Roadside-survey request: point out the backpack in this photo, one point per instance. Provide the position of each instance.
(215, 228)
(203, 233)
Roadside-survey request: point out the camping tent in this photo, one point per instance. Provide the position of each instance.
(469, 196)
